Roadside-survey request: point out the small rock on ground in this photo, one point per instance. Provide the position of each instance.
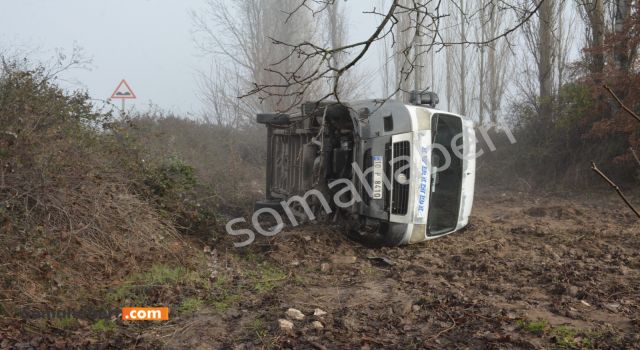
(285, 325)
(319, 312)
(294, 314)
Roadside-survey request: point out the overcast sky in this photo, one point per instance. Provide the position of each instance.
(147, 42)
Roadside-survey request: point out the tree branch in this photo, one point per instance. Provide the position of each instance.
(316, 63)
(615, 187)
(627, 109)
(635, 155)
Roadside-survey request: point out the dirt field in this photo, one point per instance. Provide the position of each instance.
(530, 272)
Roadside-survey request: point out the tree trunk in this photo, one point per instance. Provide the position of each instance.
(595, 14)
(402, 56)
(463, 61)
(335, 34)
(420, 63)
(481, 88)
(498, 64)
(545, 61)
(621, 52)
(448, 80)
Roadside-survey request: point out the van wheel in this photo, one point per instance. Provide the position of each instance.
(273, 119)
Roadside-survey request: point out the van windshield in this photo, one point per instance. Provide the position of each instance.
(446, 181)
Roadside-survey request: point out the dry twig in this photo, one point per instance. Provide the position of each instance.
(453, 325)
(635, 155)
(627, 109)
(616, 187)
(602, 175)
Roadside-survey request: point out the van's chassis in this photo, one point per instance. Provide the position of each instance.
(309, 151)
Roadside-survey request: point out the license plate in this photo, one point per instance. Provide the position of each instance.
(378, 170)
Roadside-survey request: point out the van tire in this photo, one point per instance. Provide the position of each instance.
(273, 119)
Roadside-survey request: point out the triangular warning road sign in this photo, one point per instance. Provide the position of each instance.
(123, 91)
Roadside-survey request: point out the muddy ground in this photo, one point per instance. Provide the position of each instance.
(530, 272)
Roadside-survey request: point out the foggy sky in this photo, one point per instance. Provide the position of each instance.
(149, 43)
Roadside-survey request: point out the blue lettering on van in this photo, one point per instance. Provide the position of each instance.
(422, 196)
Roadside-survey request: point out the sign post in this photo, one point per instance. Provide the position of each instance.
(123, 92)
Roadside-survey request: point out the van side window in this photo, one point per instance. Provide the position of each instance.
(388, 123)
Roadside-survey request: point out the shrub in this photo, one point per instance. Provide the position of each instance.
(171, 178)
(556, 153)
(74, 215)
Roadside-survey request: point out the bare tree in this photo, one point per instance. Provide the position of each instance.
(498, 64)
(419, 41)
(593, 14)
(403, 49)
(240, 36)
(563, 41)
(546, 56)
(539, 37)
(385, 60)
(352, 84)
(449, 54)
(621, 52)
(423, 17)
(460, 58)
(462, 66)
(219, 89)
(336, 30)
(482, 68)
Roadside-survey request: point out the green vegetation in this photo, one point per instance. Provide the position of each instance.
(537, 326)
(163, 274)
(140, 288)
(65, 322)
(190, 305)
(224, 294)
(569, 337)
(172, 176)
(564, 336)
(258, 327)
(300, 280)
(103, 326)
(265, 277)
(224, 303)
(260, 278)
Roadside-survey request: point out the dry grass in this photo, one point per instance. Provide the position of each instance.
(75, 217)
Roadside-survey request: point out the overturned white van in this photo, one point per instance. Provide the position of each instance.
(391, 173)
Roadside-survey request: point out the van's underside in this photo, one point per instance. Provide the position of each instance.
(308, 152)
